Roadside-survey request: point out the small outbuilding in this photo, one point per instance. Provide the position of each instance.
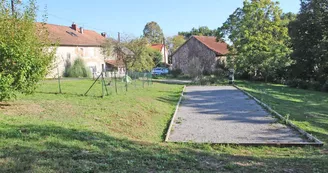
(204, 51)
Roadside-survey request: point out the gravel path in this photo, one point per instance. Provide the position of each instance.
(226, 115)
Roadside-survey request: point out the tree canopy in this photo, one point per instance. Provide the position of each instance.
(25, 51)
(173, 43)
(134, 53)
(201, 31)
(309, 33)
(153, 33)
(258, 36)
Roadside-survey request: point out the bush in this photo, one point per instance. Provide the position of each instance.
(78, 69)
(206, 80)
(294, 83)
(176, 72)
(325, 87)
(25, 50)
(315, 85)
(221, 73)
(312, 85)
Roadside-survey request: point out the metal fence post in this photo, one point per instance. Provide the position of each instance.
(115, 81)
(59, 85)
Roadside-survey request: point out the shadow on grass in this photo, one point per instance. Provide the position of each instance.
(72, 94)
(35, 148)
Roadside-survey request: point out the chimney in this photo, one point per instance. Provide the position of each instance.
(104, 34)
(81, 30)
(74, 26)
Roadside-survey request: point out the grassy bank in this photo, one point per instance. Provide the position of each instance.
(48, 132)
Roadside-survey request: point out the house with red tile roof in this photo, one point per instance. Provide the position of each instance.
(74, 42)
(205, 50)
(161, 48)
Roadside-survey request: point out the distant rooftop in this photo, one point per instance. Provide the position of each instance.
(74, 36)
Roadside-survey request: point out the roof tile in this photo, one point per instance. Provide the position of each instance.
(66, 36)
(220, 48)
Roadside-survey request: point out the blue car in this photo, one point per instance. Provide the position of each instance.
(160, 71)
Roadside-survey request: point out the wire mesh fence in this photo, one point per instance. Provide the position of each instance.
(103, 85)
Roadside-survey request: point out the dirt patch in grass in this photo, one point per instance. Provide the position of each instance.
(22, 109)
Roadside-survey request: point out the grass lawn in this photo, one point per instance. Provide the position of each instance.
(124, 132)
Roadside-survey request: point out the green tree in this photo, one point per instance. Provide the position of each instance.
(173, 43)
(258, 36)
(25, 52)
(78, 69)
(287, 18)
(309, 35)
(142, 53)
(153, 33)
(133, 53)
(201, 31)
(156, 55)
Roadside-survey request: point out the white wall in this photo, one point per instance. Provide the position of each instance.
(91, 55)
(165, 54)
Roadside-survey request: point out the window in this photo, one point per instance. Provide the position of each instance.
(68, 56)
(81, 52)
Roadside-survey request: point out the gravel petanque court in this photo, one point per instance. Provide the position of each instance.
(226, 115)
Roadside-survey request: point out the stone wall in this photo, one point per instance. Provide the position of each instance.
(194, 49)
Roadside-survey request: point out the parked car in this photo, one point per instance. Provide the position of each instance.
(160, 71)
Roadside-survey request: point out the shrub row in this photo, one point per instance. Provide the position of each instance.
(311, 85)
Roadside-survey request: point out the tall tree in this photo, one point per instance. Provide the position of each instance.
(201, 31)
(258, 36)
(25, 51)
(142, 53)
(310, 41)
(153, 33)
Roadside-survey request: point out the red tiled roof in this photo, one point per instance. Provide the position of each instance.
(220, 48)
(66, 36)
(158, 47)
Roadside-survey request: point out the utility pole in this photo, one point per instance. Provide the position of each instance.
(12, 7)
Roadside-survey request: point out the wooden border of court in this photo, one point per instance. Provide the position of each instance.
(316, 141)
(174, 115)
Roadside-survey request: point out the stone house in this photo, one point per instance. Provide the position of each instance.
(72, 43)
(161, 48)
(204, 50)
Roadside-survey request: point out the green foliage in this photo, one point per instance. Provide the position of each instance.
(309, 33)
(259, 39)
(302, 84)
(153, 33)
(134, 54)
(25, 52)
(78, 69)
(157, 57)
(201, 31)
(142, 59)
(174, 43)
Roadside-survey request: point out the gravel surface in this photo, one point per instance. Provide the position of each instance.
(226, 115)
